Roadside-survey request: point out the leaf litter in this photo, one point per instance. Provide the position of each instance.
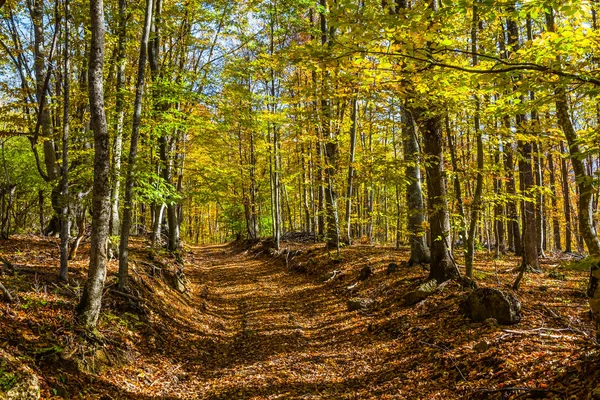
(264, 324)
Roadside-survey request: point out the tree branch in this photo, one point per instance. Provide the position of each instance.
(509, 67)
(2, 288)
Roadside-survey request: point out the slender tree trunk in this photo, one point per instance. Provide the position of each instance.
(330, 148)
(530, 253)
(119, 106)
(64, 227)
(89, 306)
(37, 16)
(477, 203)
(498, 207)
(539, 198)
(41, 211)
(419, 252)
(253, 191)
(456, 181)
(555, 222)
(566, 201)
(351, 171)
(135, 132)
(584, 182)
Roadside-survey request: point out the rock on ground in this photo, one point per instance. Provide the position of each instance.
(359, 303)
(484, 303)
(26, 387)
(365, 272)
(423, 292)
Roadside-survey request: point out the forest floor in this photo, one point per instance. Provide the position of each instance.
(251, 325)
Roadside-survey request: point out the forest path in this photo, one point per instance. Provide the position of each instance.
(278, 335)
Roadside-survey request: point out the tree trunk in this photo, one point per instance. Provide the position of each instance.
(351, 170)
(498, 208)
(477, 203)
(135, 132)
(37, 17)
(583, 179)
(555, 190)
(419, 252)
(442, 266)
(457, 189)
(64, 227)
(89, 306)
(119, 106)
(530, 253)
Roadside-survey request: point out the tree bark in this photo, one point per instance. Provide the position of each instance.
(351, 170)
(442, 266)
(419, 252)
(135, 133)
(498, 207)
(120, 111)
(64, 227)
(530, 253)
(37, 17)
(457, 189)
(89, 306)
(477, 203)
(566, 200)
(555, 221)
(582, 177)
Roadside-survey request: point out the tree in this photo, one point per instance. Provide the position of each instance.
(89, 306)
(135, 132)
(419, 252)
(64, 187)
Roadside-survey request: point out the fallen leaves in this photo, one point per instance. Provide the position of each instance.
(249, 327)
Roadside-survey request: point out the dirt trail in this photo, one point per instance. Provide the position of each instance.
(278, 335)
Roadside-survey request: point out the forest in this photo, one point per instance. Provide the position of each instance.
(299, 199)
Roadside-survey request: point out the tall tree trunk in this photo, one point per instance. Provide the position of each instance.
(583, 179)
(64, 227)
(89, 306)
(351, 170)
(539, 179)
(477, 203)
(37, 16)
(166, 150)
(135, 133)
(120, 111)
(530, 253)
(330, 148)
(419, 252)
(457, 189)
(564, 172)
(555, 221)
(442, 266)
(499, 218)
(253, 191)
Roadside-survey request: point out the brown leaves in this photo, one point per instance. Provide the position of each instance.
(251, 328)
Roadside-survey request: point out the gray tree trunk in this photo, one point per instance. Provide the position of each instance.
(89, 306)
(135, 133)
(120, 111)
(37, 16)
(442, 266)
(351, 171)
(64, 227)
(555, 212)
(419, 252)
(477, 203)
(582, 177)
(530, 251)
